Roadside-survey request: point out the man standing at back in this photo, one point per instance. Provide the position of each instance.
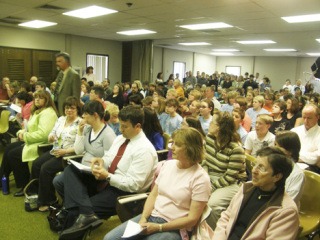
(68, 81)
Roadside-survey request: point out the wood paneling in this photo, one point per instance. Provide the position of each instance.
(20, 64)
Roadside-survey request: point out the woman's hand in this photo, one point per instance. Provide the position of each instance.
(52, 138)
(150, 228)
(81, 127)
(60, 152)
(20, 136)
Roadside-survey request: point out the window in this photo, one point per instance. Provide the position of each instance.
(180, 68)
(234, 70)
(100, 65)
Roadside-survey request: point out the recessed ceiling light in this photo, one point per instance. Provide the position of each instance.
(136, 32)
(203, 26)
(37, 24)
(90, 12)
(256, 42)
(195, 44)
(318, 40)
(302, 18)
(225, 50)
(280, 50)
(222, 53)
(314, 54)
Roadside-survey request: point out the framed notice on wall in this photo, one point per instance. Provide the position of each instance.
(234, 70)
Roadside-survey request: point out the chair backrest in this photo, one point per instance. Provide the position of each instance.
(4, 121)
(310, 199)
(249, 160)
(166, 138)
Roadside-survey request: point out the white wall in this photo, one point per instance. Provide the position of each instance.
(204, 63)
(76, 46)
(164, 58)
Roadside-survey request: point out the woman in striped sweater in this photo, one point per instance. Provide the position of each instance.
(224, 162)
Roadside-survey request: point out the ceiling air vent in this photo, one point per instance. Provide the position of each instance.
(12, 20)
(51, 7)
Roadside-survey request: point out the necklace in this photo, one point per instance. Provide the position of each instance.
(263, 195)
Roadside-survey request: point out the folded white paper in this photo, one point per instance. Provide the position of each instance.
(132, 229)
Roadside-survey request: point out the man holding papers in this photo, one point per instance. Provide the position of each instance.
(128, 167)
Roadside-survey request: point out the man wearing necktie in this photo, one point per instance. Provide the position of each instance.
(128, 167)
(68, 81)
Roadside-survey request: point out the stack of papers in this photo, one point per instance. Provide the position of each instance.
(80, 166)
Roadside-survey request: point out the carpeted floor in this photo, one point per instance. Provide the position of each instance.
(16, 223)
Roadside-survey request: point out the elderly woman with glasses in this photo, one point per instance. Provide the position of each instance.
(262, 209)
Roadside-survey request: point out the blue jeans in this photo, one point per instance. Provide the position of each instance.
(116, 233)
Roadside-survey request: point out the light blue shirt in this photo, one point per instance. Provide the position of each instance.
(170, 124)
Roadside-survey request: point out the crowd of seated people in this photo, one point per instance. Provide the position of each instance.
(233, 116)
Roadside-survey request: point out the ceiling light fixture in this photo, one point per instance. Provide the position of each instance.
(37, 24)
(203, 26)
(314, 54)
(318, 40)
(90, 12)
(136, 32)
(225, 50)
(195, 44)
(222, 53)
(256, 42)
(280, 50)
(302, 18)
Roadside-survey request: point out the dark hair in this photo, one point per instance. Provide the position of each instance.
(159, 75)
(72, 101)
(92, 107)
(48, 101)
(195, 123)
(41, 84)
(294, 105)
(120, 93)
(290, 141)
(227, 132)
(136, 99)
(151, 122)
(65, 55)
(24, 96)
(282, 104)
(279, 163)
(133, 114)
(89, 68)
(98, 90)
(26, 85)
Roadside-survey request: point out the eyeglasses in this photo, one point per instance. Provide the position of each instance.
(260, 167)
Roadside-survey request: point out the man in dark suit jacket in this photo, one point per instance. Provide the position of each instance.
(68, 81)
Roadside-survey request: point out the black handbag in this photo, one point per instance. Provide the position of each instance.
(57, 218)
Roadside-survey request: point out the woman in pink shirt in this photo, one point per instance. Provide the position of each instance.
(180, 194)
